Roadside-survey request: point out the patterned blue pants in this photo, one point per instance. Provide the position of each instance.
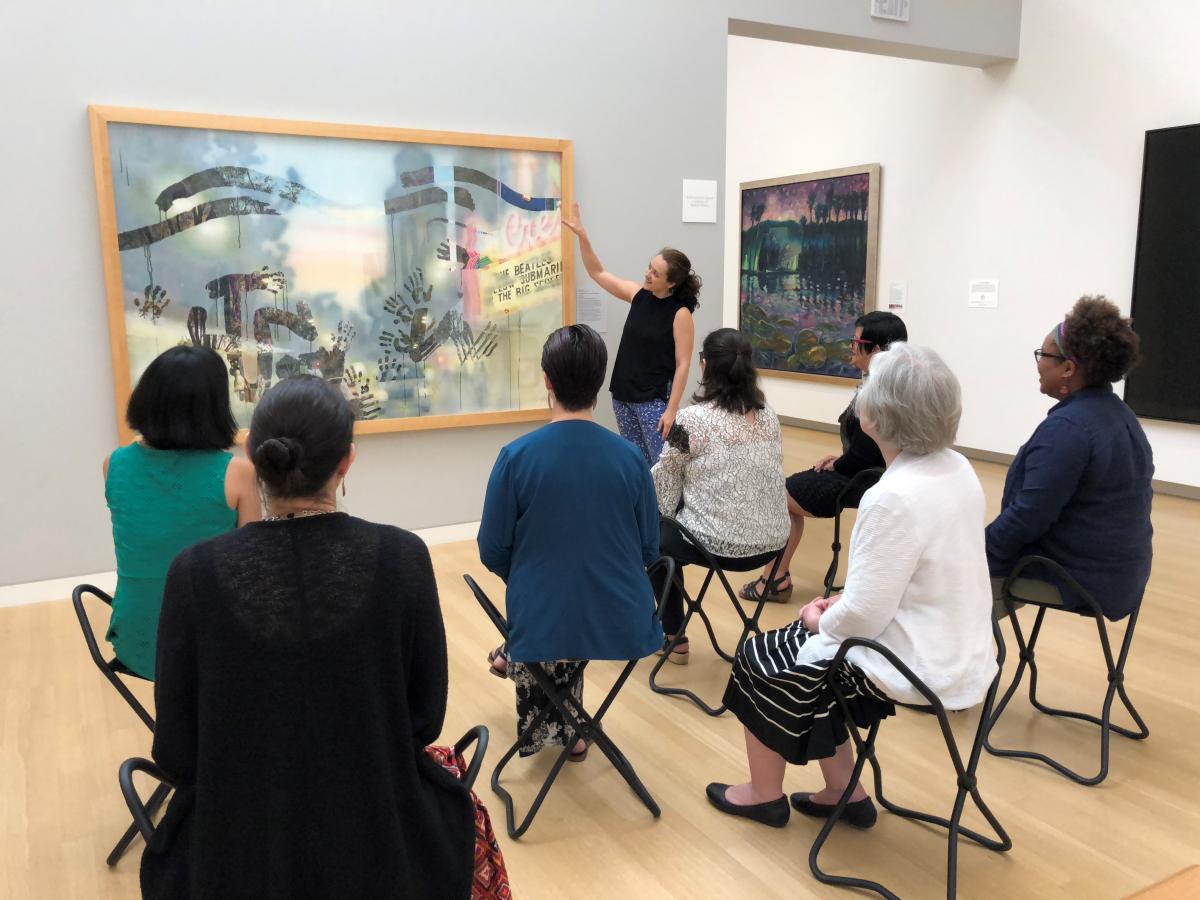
(638, 423)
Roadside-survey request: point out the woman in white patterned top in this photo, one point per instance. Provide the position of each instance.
(721, 473)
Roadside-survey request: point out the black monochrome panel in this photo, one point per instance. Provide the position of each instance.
(1166, 279)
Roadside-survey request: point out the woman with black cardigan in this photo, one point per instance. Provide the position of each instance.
(301, 673)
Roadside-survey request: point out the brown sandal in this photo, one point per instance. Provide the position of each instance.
(498, 653)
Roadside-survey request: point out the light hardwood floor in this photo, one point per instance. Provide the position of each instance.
(63, 732)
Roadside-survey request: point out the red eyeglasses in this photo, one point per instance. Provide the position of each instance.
(865, 346)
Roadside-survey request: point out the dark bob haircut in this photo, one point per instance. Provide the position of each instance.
(181, 402)
(881, 328)
(574, 359)
(1101, 339)
(730, 379)
(303, 427)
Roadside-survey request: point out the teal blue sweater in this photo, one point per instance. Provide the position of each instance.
(570, 522)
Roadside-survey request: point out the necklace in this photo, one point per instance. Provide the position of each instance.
(299, 514)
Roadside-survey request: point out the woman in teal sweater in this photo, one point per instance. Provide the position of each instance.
(175, 486)
(570, 522)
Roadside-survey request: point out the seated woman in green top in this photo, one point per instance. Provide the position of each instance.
(175, 486)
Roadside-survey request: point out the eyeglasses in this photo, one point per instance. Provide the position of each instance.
(1041, 354)
(865, 346)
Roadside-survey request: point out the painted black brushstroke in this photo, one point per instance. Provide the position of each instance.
(197, 215)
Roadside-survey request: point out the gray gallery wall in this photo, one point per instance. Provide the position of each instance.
(638, 86)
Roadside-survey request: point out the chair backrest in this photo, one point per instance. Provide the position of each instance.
(932, 703)
(488, 606)
(669, 567)
(860, 482)
(675, 525)
(111, 669)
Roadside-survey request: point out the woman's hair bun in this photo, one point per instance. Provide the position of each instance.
(280, 455)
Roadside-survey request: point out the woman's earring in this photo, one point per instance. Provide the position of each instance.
(343, 485)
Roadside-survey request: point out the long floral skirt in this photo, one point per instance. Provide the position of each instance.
(531, 700)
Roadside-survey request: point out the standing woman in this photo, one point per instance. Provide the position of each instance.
(176, 485)
(651, 368)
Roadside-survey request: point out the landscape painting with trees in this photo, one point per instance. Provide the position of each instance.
(807, 268)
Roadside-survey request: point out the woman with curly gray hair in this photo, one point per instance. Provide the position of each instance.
(917, 584)
(1079, 490)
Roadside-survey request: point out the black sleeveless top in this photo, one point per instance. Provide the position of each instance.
(645, 361)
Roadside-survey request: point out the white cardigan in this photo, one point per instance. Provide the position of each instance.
(918, 583)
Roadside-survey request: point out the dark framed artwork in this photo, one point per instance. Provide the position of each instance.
(807, 269)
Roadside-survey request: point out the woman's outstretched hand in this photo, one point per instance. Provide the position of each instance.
(572, 222)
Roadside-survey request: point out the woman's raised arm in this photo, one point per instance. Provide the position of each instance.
(618, 287)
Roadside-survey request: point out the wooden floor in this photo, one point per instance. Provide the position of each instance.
(63, 732)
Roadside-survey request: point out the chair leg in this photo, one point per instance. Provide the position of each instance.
(967, 785)
(580, 725)
(152, 805)
(866, 750)
(515, 830)
(694, 608)
(1116, 687)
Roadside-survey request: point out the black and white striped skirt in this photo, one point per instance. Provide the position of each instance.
(792, 708)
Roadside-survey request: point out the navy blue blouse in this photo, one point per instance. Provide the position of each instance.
(570, 522)
(1079, 492)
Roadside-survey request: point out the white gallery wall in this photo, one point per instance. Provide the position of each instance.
(639, 87)
(1026, 172)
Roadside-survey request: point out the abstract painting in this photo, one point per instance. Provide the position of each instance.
(807, 269)
(418, 272)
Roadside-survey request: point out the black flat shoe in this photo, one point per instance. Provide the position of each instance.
(860, 813)
(774, 813)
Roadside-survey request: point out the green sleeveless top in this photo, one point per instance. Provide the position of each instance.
(161, 502)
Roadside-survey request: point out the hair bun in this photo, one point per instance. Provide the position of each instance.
(280, 454)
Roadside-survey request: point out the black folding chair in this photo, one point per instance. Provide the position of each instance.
(860, 483)
(695, 607)
(1116, 670)
(143, 813)
(113, 670)
(579, 722)
(966, 774)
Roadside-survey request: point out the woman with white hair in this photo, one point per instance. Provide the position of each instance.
(918, 584)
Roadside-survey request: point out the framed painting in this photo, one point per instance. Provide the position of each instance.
(417, 271)
(807, 269)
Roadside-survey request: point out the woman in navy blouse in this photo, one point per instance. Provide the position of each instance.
(570, 523)
(1079, 491)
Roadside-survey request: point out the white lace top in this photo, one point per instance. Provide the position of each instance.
(729, 474)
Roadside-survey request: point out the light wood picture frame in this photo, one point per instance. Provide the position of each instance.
(807, 269)
(418, 271)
